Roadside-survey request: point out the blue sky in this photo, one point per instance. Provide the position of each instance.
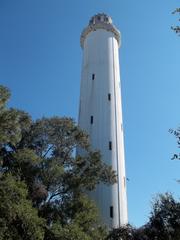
(40, 61)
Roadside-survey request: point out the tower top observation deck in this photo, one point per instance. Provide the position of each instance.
(100, 21)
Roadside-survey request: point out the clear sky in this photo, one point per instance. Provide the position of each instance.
(40, 61)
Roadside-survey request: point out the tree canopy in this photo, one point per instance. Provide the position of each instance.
(163, 224)
(43, 183)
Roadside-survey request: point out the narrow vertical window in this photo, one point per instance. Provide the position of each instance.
(93, 76)
(110, 145)
(91, 120)
(109, 96)
(111, 211)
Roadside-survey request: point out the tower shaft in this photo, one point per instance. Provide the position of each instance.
(100, 112)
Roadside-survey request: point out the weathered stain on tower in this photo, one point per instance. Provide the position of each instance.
(100, 112)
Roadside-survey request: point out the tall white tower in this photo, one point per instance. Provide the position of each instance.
(100, 112)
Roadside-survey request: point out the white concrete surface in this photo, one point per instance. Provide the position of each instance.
(101, 62)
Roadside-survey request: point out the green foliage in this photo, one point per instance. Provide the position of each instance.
(125, 232)
(18, 219)
(12, 122)
(176, 29)
(69, 232)
(83, 222)
(44, 183)
(176, 133)
(163, 224)
(4, 96)
(165, 218)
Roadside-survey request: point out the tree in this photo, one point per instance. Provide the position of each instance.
(128, 232)
(163, 224)
(125, 232)
(12, 121)
(18, 219)
(176, 133)
(176, 28)
(41, 155)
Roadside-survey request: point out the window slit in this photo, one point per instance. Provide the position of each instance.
(111, 211)
(92, 119)
(110, 145)
(109, 96)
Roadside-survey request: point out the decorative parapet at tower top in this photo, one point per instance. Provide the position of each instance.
(100, 21)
